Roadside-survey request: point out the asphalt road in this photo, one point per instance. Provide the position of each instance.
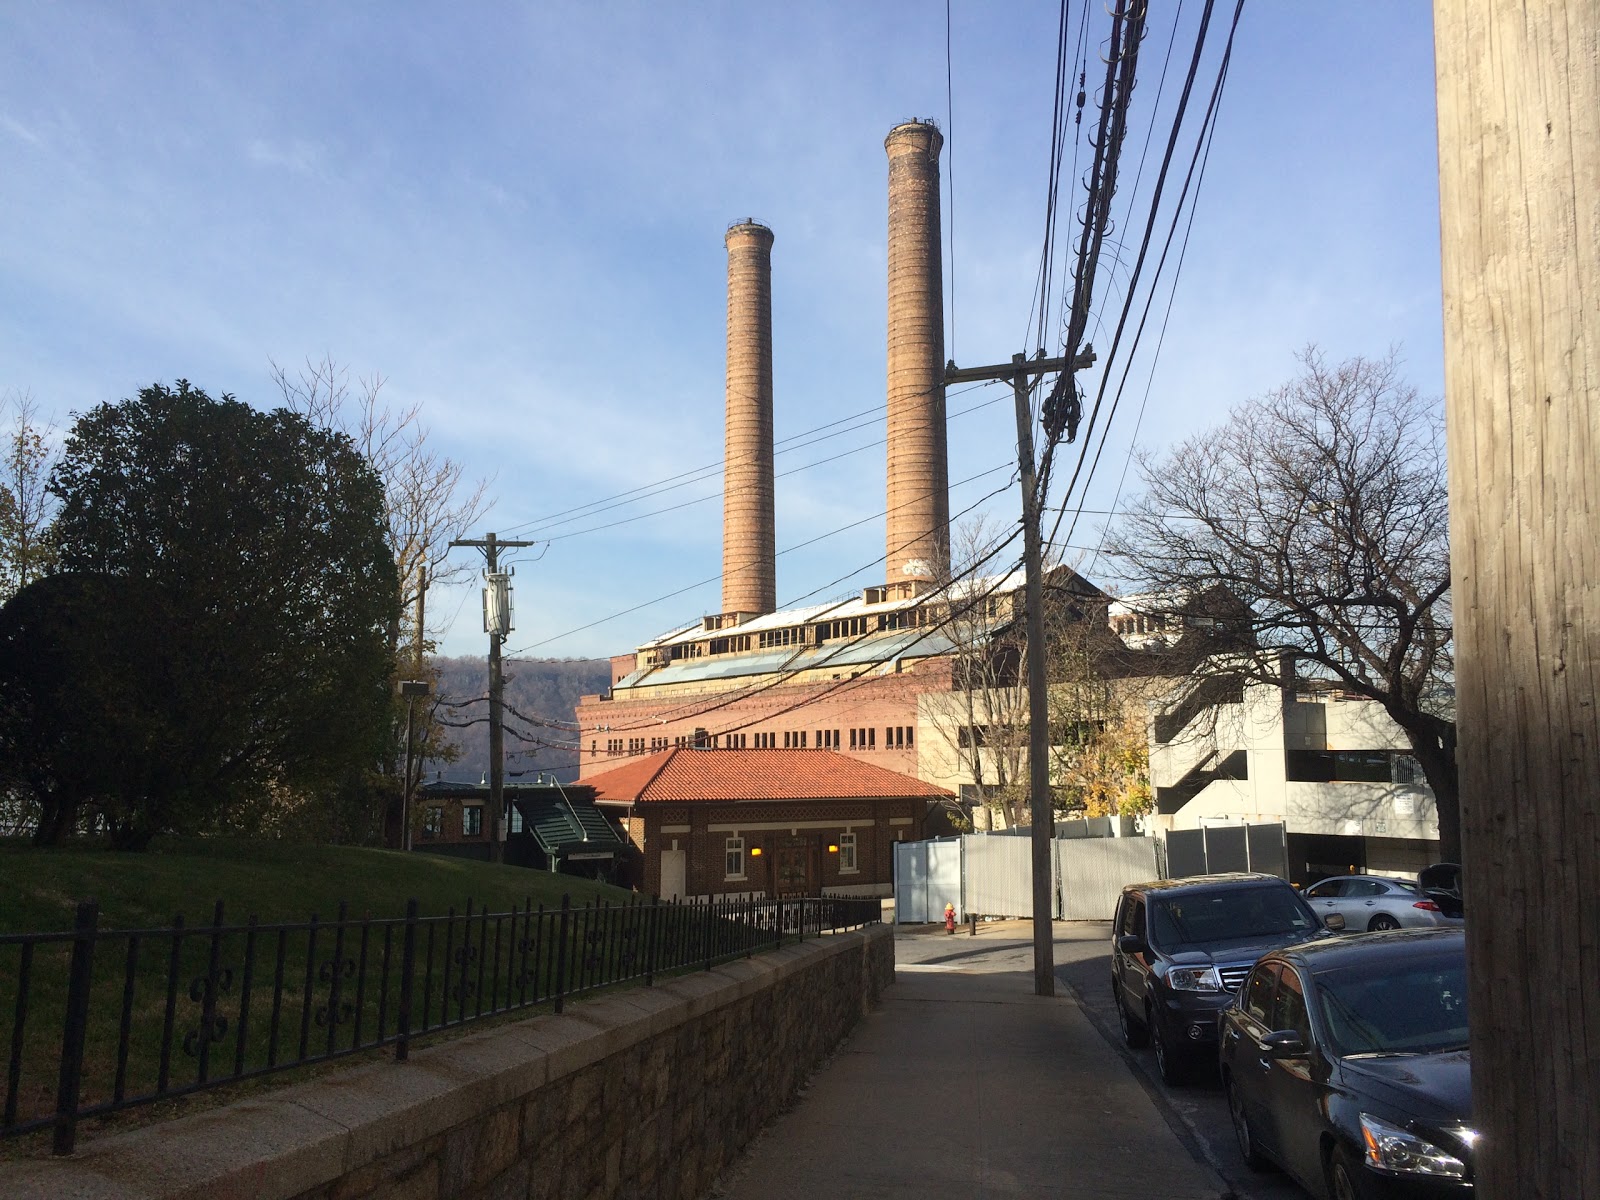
(1198, 1112)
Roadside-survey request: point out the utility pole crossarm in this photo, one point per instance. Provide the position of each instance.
(1032, 366)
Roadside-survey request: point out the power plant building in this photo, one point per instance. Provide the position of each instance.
(874, 676)
(844, 675)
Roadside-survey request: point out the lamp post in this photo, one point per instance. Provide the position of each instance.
(410, 689)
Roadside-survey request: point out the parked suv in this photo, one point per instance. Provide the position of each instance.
(1181, 947)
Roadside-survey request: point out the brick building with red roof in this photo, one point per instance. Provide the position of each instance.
(765, 822)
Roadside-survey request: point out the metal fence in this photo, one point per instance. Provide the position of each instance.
(103, 1020)
(1213, 848)
(991, 875)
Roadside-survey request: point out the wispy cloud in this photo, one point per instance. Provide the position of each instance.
(20, 131)
(296, 155)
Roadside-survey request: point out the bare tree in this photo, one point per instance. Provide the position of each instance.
(1322, 506)
(429, 501)
(984, 716)
(26, 506)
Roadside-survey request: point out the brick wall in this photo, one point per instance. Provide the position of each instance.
(880, 703)
(699, 830)
(644, 1093)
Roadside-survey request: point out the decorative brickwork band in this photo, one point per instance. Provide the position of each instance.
(749, 580)
(918, 475)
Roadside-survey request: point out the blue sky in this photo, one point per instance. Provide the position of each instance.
(515, 214)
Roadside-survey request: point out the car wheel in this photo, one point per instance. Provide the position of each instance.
(1346, 1179)
(1241, 1129)
(1135, 1035)
(1382, 921)
(1171, 1064)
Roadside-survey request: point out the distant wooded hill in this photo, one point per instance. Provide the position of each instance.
(537, 690)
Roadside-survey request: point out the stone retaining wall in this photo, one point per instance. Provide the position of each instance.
(647, 1092)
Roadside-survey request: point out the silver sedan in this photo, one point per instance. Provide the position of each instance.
(1375, 902)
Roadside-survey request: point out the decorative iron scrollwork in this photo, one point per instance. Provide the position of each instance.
(463, 956)
(591, 955)
(206, 1033)
(331, 972)
(525, 946)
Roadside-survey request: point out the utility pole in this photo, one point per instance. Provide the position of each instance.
(1021, 371)
(410, 689)
(497, 624)
(1519, 171)
(422, 597)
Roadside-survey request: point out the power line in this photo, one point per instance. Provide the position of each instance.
(1155, 357)
(950, 172)
(713, 495)
(714, 578)
(1201, 142)
(855, 679)
(646, 491)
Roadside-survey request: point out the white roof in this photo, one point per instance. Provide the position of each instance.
(852, 606)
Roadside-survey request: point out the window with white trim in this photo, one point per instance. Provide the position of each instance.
(733, 858)
(472, 821)
(847, 854)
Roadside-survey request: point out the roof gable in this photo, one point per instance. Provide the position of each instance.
(753, 776)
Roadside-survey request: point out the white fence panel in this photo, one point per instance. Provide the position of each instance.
(1093, 872)
(999, 875)
(927, 876)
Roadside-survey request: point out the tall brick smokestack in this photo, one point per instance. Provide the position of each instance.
(749, 580)
(919, 485)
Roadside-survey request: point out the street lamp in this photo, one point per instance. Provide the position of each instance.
(410, 689)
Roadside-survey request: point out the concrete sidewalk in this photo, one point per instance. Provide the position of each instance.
(964, 1083)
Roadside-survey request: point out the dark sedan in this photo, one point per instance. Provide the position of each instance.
(1345, 1062)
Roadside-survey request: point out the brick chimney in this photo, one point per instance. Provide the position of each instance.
(749, 579)
(918, 538)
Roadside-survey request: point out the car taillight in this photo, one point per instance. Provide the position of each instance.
(1426, 905)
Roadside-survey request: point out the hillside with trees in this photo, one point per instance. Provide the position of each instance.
(537, 690)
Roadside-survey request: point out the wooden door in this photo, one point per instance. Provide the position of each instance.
(791, 867)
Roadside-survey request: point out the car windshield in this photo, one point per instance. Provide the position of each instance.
(1231, 915)
(1388, 1009)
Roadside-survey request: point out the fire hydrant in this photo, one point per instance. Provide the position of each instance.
(949, 918)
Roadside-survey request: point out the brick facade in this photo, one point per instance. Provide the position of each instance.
(624, 728)
(702, 832)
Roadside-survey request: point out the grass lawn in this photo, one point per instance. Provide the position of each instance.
(332, 989)
(271, 881)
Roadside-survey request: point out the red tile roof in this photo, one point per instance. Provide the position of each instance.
(752, 775)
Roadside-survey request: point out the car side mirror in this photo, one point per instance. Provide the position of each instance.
(1333, 921)
(1284, 1043)
(1132, 943)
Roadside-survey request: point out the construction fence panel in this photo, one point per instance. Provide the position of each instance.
(1093, 872)
(1186, 853)
(999, 875)
(1227, 848)
(1216, 848)
(1269, 849)
(927, 876)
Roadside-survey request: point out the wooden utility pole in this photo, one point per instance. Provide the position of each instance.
(1021, 371)
(497, 623)
(1518, 85)
(422, 609)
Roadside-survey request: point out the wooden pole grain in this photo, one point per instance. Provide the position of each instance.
(1518, 85)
